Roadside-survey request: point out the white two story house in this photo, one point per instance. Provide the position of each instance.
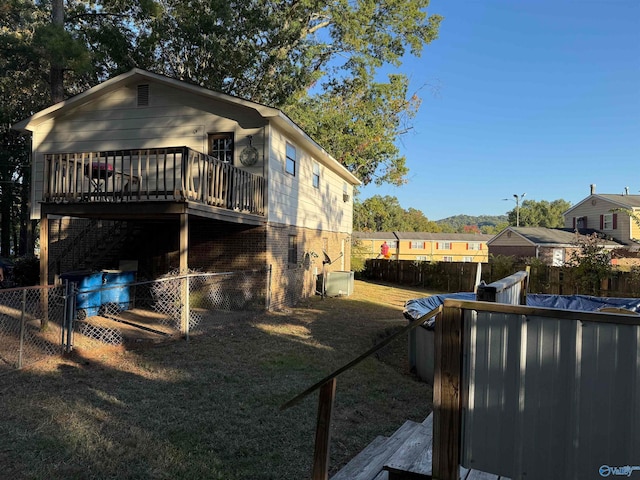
(176, 176)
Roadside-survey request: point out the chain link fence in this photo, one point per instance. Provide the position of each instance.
(31, 325)
(99, 309)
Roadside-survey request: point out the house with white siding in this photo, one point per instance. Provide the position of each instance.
(607, 213)
(177, 176)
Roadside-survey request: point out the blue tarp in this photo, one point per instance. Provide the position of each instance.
(583, 303)
(418, 307)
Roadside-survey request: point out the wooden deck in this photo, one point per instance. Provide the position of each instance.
(405, 455)
(176, 174)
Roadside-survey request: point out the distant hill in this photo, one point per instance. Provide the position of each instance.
(459, 221)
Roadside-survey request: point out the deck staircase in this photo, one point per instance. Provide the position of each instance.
(98, 244)
(405, 455)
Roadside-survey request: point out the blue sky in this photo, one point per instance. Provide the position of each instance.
(518, 96)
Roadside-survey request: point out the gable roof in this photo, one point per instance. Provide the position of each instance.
(548, 237)
(137, 75)
(622, 201)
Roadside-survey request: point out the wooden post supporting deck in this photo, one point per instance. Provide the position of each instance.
(323, 431)
(447, 395)
(184, 269)
(44, 268)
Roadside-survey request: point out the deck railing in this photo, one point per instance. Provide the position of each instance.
(153, 174)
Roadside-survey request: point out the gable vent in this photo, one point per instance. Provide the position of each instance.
(143, 95)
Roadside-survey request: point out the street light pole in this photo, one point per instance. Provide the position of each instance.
(517, 200)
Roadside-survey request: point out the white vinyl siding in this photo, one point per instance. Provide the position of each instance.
(592, 208)
(291, 160)
(115, 122)
(295, 201)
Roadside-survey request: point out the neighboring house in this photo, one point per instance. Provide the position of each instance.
(427, 247)
(602, 212)
(176, 176)
(553, 246)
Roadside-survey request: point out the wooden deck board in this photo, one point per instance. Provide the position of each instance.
(368, 463)
(414, 455)
(406, 454)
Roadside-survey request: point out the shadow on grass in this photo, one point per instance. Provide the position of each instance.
(210, 408)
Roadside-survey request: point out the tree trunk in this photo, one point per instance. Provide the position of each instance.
(56, 74)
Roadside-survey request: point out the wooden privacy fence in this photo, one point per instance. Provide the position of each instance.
(461, 276)
(441, 276)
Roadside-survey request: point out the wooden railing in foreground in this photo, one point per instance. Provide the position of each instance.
(327, 387)
(511, 287)
(152, 174)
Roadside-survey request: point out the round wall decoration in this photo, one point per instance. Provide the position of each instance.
(249, 155)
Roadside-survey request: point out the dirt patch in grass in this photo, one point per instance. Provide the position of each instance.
(210, 407)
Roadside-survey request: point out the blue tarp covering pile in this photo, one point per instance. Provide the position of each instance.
(418, 307)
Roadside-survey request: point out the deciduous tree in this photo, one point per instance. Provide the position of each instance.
(540, 214)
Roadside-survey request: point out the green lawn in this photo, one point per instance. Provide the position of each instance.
(210, 408)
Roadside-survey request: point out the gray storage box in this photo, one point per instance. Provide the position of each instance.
(337, 284)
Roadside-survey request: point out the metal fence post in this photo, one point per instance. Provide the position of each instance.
(69, 313)
(22, 325)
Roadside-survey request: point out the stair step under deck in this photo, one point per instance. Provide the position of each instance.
(367, 465)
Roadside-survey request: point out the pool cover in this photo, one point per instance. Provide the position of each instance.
(418, 307)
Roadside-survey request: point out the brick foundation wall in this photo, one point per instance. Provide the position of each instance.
(292, 282)
(218, 247)
(213, 247)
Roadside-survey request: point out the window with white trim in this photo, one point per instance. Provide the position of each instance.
(447, 259)
(417, 244)
(221, 146)
(607, 221)
(473, 246)
(467, 259)
(290, 167)
(444, 245)
(392, 244)
(316, 175)
(421, 258)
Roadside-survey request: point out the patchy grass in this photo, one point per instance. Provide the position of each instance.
(210, 408)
